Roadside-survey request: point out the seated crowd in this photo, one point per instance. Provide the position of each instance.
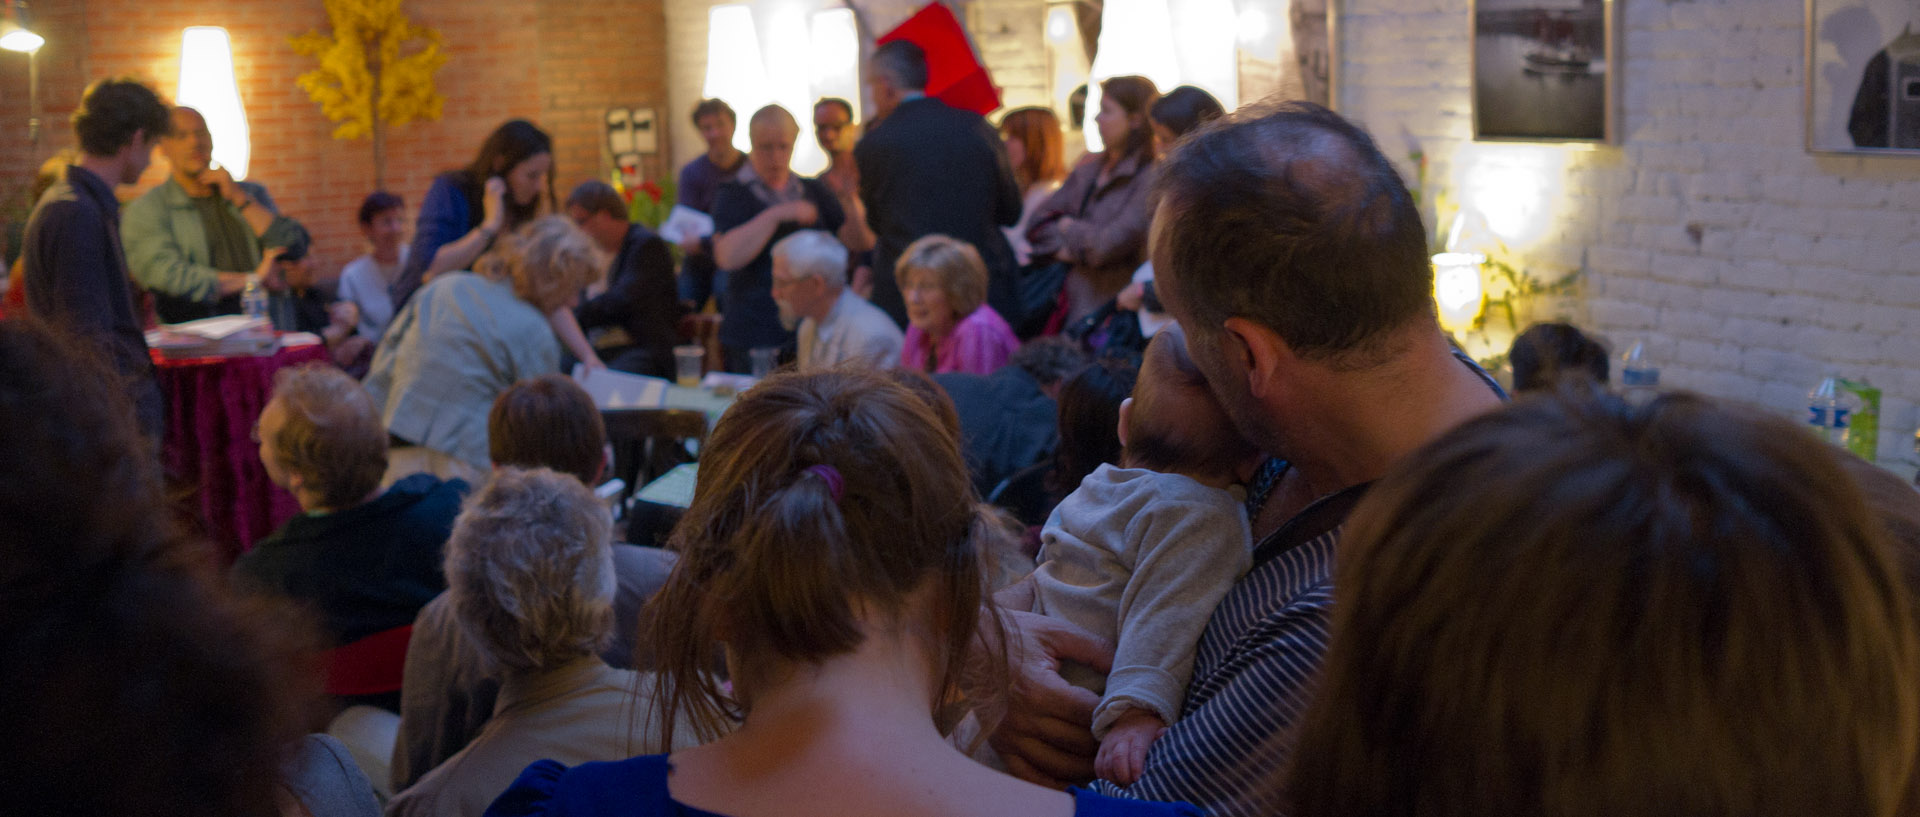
(1278, 558)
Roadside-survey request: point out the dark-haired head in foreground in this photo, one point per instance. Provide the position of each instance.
(135, 683)
(1578, 607)
(788, 574)
(1549, 352)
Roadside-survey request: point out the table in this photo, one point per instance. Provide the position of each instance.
(212, 404)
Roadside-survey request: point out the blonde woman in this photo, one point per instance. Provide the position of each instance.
(950, 326)
(467, 336)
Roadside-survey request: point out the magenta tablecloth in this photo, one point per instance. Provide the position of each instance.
(212, 404)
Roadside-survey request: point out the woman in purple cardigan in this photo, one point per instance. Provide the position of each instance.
(950, 326)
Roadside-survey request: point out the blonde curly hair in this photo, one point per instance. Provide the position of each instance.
(548, 262)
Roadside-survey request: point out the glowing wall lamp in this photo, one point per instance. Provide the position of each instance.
(1457, 289)
(207, 85)
(1136, 37)
(735, 71)
(14, 36)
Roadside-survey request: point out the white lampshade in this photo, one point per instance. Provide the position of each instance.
(1205, 35)
(790, 59)
(836, 57)
(1136, 37)
(15, 38)
(207, 85)
(735, 71)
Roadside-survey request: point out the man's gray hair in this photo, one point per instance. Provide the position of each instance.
(530, 570)
(814, 253)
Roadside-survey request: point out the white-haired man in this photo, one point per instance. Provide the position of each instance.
(836, 325)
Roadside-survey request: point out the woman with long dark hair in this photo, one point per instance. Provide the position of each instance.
(508, 184)
(1097, 221)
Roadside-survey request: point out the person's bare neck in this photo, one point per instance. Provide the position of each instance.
(386, 255)
(868, 713)
(725, 155)
(1353, 426)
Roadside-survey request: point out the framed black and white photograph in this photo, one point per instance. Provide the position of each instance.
(1863, 76)
(1543, 70)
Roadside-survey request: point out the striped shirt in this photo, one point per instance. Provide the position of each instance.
(1251, 678)
(1254, 670)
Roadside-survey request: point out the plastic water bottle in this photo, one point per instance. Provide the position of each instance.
(253, 299)
(1638, 371)
(1830, 410)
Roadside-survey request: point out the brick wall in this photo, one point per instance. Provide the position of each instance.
(550, 62)
(1750, 265)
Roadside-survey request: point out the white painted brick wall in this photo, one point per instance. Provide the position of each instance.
(1804, 262)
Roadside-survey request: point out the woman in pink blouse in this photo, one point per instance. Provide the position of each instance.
(950, 327)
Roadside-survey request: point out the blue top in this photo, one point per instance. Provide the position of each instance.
(637, 787)
(446, 214)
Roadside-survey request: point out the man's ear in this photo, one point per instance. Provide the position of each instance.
(1266, 357)
(1126, 410)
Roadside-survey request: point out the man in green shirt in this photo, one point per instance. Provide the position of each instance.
(194, 240)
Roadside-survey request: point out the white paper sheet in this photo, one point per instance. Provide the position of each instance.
(619, 390)
(685, 223)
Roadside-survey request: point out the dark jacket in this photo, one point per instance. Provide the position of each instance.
(932, 168)
(76, 276)
(365, 569)
(640, 299)
(1006, 422)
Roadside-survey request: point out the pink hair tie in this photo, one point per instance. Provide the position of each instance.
(836, 485)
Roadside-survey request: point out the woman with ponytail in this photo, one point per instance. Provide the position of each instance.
(830, 556)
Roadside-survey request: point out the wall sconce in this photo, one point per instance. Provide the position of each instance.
(1458, 290)
(14, 35)
(735, 71)
(207, 85)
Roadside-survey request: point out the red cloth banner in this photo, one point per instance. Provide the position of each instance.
(954, 73)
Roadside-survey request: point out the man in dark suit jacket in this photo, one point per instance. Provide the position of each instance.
(928, 167)
(638, 314)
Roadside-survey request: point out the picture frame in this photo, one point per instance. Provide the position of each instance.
(1863, 77)
(1544, 70)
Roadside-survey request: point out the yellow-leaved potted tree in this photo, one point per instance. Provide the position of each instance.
(376, 70)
